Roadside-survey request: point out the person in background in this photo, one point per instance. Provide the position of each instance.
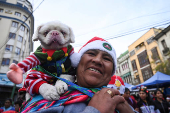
(145, 103)
(8, 105)
(17, 105)
(161, 104)
(130, 101)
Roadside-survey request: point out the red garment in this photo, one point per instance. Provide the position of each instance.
(1, 110)
(10, 111)
(132, 97)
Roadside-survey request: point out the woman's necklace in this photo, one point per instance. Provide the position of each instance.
(147, 108)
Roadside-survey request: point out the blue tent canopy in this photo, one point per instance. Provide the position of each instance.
(159, 79)
(129, 86)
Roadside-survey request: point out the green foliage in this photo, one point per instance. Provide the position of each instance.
(163, 67)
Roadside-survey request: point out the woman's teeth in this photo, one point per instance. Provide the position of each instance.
(92, 69)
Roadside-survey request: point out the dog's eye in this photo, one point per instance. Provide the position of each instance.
(63, 32)
(45, 33)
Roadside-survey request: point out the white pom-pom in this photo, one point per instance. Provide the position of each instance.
(75, 59)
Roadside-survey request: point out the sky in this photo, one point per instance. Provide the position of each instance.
(120, 22)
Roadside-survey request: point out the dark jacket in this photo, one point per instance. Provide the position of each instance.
(163, 107)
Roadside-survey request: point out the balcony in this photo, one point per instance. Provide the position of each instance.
(166, 51)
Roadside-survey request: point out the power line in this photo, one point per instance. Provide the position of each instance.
(133, 31)
(21, 25)
(123, 22)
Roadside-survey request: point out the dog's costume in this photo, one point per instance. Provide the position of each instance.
(42, 60)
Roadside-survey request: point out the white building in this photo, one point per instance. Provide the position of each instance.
(163, 40)
(16, 30)
(124, 68)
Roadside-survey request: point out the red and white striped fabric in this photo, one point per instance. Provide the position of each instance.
(28, 63)
(34, 80)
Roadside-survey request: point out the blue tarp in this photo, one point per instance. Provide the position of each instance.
(6, 82)
(157, 80)
(129, 86)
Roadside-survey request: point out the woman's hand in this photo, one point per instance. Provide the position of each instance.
(103, 101)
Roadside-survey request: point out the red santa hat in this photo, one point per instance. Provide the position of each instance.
(94, 43)
(22, 89)
(117, 83)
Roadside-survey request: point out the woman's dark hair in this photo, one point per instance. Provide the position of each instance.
(127, 89)
(148, 98)
(9, 100)
(157, 91)
(19, 103)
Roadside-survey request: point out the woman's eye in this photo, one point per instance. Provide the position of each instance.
(108, 59)
(91, 53)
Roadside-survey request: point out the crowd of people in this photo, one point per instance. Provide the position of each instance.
(148, 102)
(94, 71)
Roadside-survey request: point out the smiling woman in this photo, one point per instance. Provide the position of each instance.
(96, 63)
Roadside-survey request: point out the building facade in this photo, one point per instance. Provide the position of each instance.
(163, 40)
(124, 68)
(143, 52)
(16, 27)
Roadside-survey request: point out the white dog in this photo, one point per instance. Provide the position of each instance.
(55, 38)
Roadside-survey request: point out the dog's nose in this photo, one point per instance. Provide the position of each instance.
(54, 33)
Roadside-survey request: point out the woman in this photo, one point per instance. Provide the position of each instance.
(145, 103)
(161, 104)
(95, 67)
(8, 105)
(130, 101)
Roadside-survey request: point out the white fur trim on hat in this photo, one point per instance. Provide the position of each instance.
(96, 43)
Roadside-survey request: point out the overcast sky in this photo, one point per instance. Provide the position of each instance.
(104, 18)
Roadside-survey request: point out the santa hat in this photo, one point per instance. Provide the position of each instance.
(22, 89)
(94, 43)
(117, 83)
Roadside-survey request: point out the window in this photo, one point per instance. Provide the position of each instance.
(150, 40)
(17, 14)
(134, 65)
(14, 61)
(17, 50)
(22, 28)
(24, 17)
(5, 61)
(12, 35)
(143, 59)
(9, 47)
(20, 38)
(1, 10)
(15, 24)
(132, 53)
(24, 42)
(139, 46)
(155, 54)
(147, 73)
(164, 44)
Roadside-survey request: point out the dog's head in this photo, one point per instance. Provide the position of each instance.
(54, 35)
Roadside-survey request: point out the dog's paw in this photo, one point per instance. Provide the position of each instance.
(49, 92)
(61, 87)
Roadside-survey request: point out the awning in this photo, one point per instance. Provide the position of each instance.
(6, 82)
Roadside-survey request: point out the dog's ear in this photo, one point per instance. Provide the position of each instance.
(72, 37)
(35, 36)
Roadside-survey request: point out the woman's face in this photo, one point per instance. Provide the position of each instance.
(7, 104)
(95, 69)
(142, 95)
(159, 95)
